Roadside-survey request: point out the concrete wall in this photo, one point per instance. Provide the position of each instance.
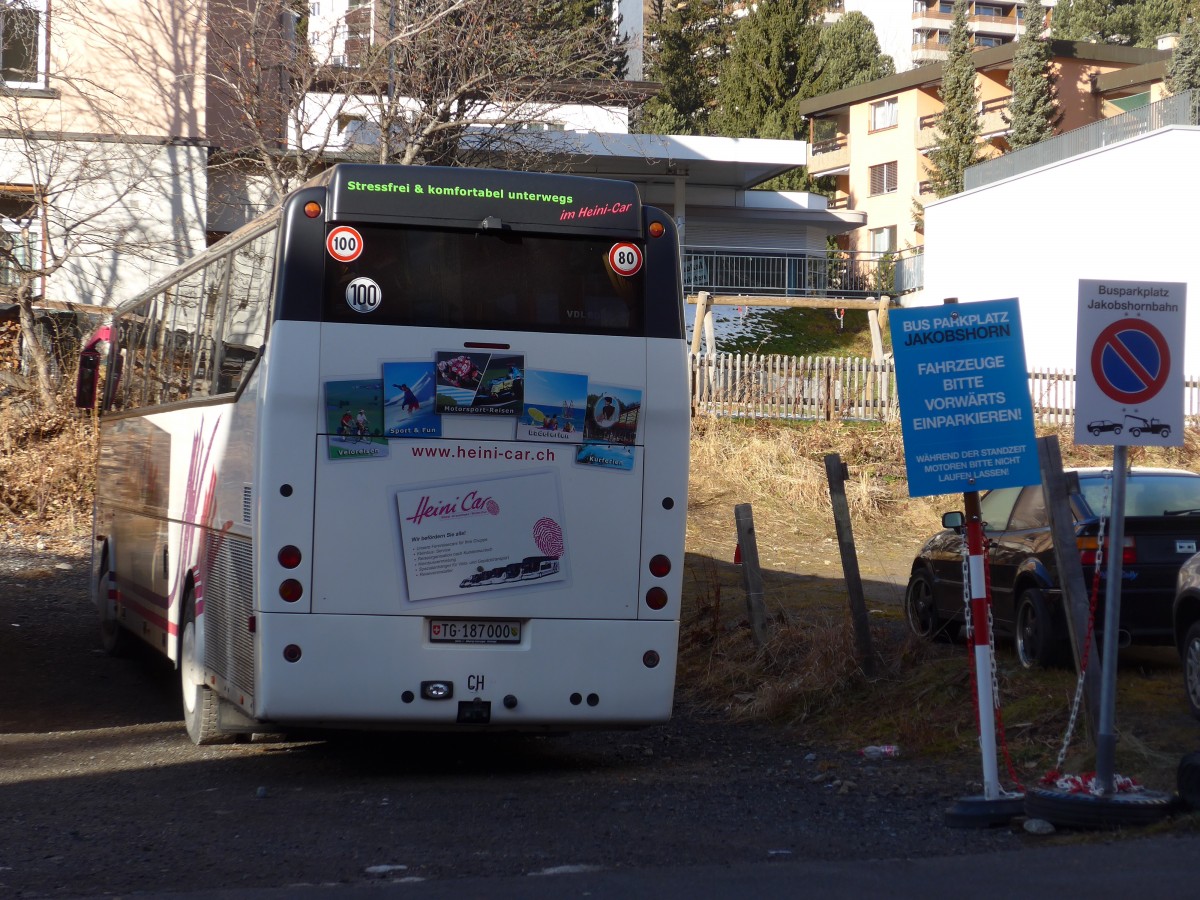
(1122, 212)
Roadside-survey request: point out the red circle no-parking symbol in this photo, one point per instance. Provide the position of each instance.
(1131, 361)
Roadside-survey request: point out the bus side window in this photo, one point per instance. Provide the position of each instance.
(248, 312)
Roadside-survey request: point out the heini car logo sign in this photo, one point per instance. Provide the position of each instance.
(363, 295)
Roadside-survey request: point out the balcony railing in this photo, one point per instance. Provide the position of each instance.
(772, 273)
(1177, 110)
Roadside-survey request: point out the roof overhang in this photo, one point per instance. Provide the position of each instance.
(988, 58)
(739, 163)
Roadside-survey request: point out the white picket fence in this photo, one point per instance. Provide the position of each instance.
(744, 385)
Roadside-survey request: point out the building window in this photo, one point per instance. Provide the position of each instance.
(22, 42)
(994, 11)
(883, 240)
(883, 179)
(988, 40)
(884, 114)
(20, 233)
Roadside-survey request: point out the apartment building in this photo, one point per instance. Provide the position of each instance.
(874, 139)
(102, 157)
(918, 32)
(991, 24)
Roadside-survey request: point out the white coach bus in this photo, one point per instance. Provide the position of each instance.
(410, 451)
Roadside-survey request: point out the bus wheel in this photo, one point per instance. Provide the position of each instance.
(200, 703)
(114, 638)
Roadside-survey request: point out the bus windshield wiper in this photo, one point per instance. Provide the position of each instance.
(1182, 512)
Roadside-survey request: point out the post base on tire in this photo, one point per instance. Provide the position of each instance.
(1083, 810)
(984, 812)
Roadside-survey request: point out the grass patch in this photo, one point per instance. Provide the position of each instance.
(922, 696)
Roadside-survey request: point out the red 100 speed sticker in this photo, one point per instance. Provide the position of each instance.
(344, 244)
(625, 259)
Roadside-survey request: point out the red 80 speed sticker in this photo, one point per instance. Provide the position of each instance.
(344, 244)
(625, 258)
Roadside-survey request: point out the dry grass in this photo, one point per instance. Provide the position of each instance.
(47, 465)
(922, 695)
(806, 675)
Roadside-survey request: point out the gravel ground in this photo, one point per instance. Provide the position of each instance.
(100, 790)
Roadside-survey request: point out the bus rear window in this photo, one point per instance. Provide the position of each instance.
(483, 281)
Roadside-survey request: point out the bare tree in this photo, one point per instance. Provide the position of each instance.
(78, 180)
(445, 82)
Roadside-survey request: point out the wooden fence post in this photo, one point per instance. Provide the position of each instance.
(1070, 576)
(836, 473)
(743, 515)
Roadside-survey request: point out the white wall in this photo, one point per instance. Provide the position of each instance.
(120, 214)
(1125, 212)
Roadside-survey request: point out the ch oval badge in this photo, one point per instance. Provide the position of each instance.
(363, 295)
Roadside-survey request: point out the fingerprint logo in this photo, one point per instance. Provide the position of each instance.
(492, 507)
(548, 537)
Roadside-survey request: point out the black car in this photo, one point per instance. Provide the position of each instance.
(1162, 529)
(1185, 619)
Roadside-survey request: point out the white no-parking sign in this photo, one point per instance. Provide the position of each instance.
(1129, 363)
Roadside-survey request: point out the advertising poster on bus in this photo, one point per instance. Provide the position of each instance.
(480, 535)
(480, 383)
(409, 408)
(555, 407)
(610, 431)
(354, 419)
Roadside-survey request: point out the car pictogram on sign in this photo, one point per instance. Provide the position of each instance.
(1137, 425)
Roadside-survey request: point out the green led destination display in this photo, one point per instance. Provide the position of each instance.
(467, 197)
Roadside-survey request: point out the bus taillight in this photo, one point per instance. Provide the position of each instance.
(656, 229)
(650, 659)
(292, 653)
(289, 557)
(291, 590)
(312, 209)
(656, 598)
(660, 566)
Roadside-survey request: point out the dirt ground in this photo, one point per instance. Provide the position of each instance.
(101, 792)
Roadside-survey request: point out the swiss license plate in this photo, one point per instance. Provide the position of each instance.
(474, 631)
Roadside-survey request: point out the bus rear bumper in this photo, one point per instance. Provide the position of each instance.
(384, 671)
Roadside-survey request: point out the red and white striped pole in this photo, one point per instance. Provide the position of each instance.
(982, 645)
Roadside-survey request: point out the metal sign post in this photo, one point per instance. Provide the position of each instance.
(1128, 391)
(1106, 739)
(968, 425)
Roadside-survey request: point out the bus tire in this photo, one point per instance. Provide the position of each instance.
(114, 637)
(200, 702)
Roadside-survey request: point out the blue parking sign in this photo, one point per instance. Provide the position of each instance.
(964, 397)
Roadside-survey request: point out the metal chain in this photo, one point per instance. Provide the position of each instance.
(1077, 702)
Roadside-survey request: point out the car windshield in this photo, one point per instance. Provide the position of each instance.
(1158, 494)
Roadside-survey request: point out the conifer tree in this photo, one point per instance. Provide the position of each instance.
(849, 55)
(688, 45)
(1183, 72)
(1032, 114)
(769, 70)
(958, 128)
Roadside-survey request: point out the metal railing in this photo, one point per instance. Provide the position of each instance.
(1176, 110)
(774, 273)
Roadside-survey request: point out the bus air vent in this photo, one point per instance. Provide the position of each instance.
(247, 502)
